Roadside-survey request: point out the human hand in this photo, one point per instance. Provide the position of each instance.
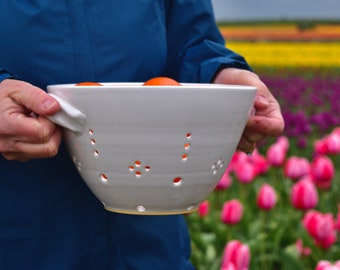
(25, 133)
(267, 120)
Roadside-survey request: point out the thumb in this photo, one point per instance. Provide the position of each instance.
(36, 100)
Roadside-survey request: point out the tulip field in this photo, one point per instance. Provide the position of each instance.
(279, 208)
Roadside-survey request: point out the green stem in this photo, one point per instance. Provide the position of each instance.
(265, 263)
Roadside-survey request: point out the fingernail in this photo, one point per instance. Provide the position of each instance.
(49, 103)
(262, 100)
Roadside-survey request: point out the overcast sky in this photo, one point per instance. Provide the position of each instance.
(226, 10)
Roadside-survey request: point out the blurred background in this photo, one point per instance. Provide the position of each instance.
(280, 208)
(248, 10)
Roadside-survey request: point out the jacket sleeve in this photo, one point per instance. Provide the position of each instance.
(196, 48)
(4, 74)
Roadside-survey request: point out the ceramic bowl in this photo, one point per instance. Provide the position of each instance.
(152, 150)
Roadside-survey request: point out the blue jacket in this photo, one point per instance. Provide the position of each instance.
(48, 217)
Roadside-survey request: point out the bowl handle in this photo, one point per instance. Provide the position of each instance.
(68, 117)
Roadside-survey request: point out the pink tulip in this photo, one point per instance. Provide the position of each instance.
(333, 143)
(301, 249)
(246, 168)
(266, 198)
(336, 131)
(321, 147)
(283, 142)
(203, 209)
(276, 155)
(229, 266)
(245, 172)
(232, 212)
(323, 265)
(277, 152)
(239, 157)
(328, 241)
(296, 167)
(304, 195)
(329, 144)
(326, 265)
(241, 167)
(225, 182)
(236, 254)
(320, 226)
(259, 161)
(322, 171)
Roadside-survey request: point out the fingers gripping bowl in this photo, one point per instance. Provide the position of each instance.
(152, 149)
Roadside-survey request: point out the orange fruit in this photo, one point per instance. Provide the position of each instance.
(88, 84)
(162, 81)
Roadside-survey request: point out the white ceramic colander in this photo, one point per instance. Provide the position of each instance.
(152, 149)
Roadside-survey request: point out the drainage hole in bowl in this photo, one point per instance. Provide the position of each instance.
(185, 157)
(137, 170)
(79, 166)
(76, 163)
(103, 177)
(217, 166)
(220, 162)
(96, 153)
(191, 207)
(138, 163)
(141, 208)
(177, 181)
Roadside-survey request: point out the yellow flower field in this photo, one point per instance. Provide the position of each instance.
(282, 32)
(289, 54)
